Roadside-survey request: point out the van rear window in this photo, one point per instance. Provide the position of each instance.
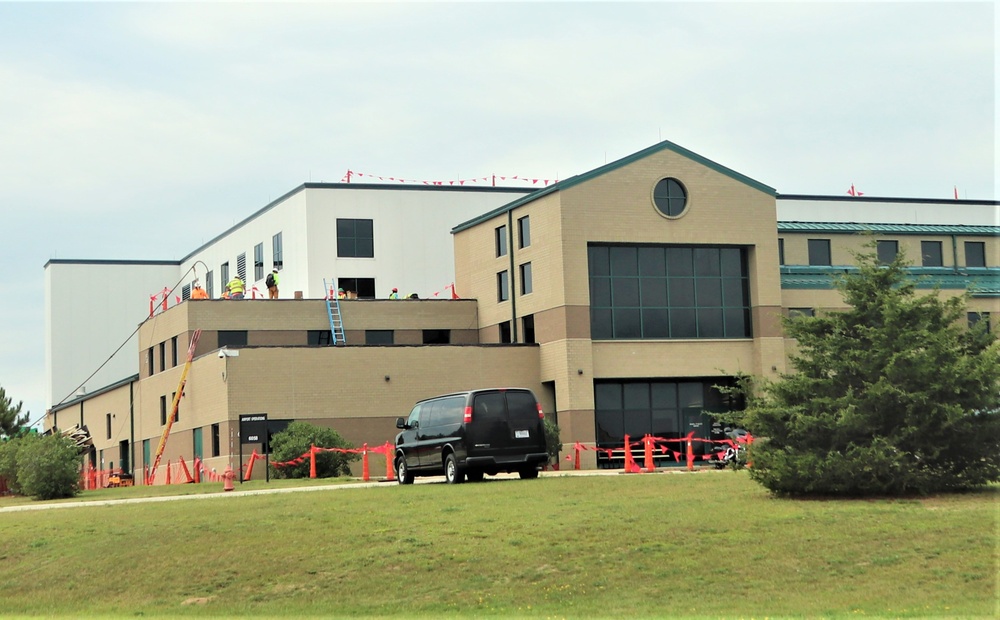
(488, 407)
(521, 406)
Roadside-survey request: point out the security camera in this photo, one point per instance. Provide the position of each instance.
(222, 353)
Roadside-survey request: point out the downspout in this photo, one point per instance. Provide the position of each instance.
(513, 288)
(954, 253)
(131, 428)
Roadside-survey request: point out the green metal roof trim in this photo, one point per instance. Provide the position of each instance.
(625, 161)
(897, 229)
(980, 282)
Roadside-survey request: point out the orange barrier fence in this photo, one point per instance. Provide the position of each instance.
(387, 449)
(651, 444)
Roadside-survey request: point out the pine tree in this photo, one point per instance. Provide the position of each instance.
(11, 420)
(893, 396)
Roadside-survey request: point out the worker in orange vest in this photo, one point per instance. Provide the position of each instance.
(198, 292)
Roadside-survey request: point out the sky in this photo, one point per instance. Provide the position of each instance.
(142, 130)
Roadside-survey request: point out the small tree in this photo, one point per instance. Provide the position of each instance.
(48, 467)
(552, 443)
(11, 420)
(893, 396)
(295, 440)
(8, 462)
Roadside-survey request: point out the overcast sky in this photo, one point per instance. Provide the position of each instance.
(141, 130)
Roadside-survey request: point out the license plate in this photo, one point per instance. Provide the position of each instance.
(520, 434)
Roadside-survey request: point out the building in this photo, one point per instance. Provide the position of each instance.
(623, 296)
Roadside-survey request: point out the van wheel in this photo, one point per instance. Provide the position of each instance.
(528, 473)
(475, 475)
(452, 474)
(403, 472)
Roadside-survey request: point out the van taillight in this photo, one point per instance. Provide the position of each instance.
(467, 416)
(541, 414)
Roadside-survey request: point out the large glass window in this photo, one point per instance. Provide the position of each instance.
(355, 238)
(523, 232)
(930, 252)
(500, 238)
(363, 287)
(819, 252)
(661, 292)
(886, 251)
(277, 252)
(975, 254)
(258, 262)
(319, 337)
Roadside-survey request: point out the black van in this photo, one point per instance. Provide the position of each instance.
(470, 434)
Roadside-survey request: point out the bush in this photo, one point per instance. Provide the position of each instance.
(8, 463)
(295, 440)
(552, 443)
(48, 467)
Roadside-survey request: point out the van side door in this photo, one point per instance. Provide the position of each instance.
(408, 439)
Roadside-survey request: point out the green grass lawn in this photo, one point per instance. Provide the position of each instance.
(709, 544)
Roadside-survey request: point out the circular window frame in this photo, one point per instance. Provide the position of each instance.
(664, 210)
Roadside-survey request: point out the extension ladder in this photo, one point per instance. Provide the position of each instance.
(333, 311)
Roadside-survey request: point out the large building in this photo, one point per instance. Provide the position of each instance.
(622, 296)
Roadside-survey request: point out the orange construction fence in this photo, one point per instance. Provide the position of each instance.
(651, 444)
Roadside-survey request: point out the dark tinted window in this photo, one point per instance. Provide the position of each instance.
(488, 407)
(819, 252)
(887, 251)
(500, 237)
(521, 406)
(975, 254)
(437, 336)
(449, 411)
(236, 338)
(931, 253)
(355, 238)
(378, 336)
(524, 232)
(670, 197)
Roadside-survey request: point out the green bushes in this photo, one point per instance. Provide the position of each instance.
(552, 443)
(295, 440)
(41, 467)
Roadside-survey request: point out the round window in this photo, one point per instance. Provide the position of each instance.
(670, 197)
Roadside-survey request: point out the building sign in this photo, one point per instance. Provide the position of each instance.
(253, 429)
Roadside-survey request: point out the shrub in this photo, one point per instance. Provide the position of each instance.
(8, 463)
(552, 443)
(48, 467)
(295, 440)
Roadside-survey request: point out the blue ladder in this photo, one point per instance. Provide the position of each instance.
(333, 311)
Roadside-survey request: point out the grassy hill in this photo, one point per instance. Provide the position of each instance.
(709, 544)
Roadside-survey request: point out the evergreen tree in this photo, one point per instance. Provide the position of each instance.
(11, 420)
(893, 396)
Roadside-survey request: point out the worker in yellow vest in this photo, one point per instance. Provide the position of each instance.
(236, 288)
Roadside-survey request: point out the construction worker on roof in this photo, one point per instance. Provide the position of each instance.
(236, 288)
(341, 294)
(394, 294)
(198, 293)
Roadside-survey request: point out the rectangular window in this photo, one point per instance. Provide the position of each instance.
(378, 336)
(523, 232)
(505, 337)
(163, 410)
(363, 288)
(216, 443)
(241, 267)
(437, 336)
(163, 356)
(149, 361)
(355, 238)
(930, 252)
(224, 274)
(979, 317)
(668, 292)
(319, 337)
(526, 278)
(210, 284)
(173, 351)
(819, 252)
(145, 453)
(528, 328)
(887, 251)
(232, 338)
(258, 262)
(500, 235)
(975, 254)
(186, 292)
(797, 312)
(503, 290)
(781, 251)
(107, 420)
(197, 447)
(277, 252)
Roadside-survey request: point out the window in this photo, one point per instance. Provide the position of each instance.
(500, 235)
(209, 285)
(976, 317)
(364, 287)
(186, 291)
(258, 262)
(930, 251)
(145, 452)
(224, 274)
(173, 351)
(107, 421)
(232, 338)
(378, 336)
(319, 337)
(163, 356)
(525, 278)
(975, 254)
(277, 252)
(503, 291)
(176, 414)
(781, 251)
(528, 328)
(241, 267)
(216, 447)
(163, 410)
(505, 332)
(197, 444)
(797, 312)
(437, 336)
(523, 232)
(149, 361)
(355, 238)
(819, 252)
(668, 292)
(670, 197)
(886, 251)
